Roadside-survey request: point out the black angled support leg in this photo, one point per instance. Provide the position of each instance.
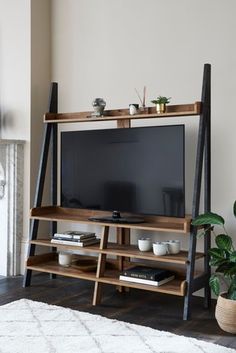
(53, 108)
(38, 197)
(197, 191)
(53, 102)
(207, 183)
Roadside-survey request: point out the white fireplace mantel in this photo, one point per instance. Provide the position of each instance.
(11, 205)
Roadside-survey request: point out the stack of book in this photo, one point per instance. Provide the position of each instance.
(147, 275)
(77, 238)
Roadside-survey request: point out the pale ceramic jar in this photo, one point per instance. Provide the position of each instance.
(160, 248)
(173, 246)
(144, 244)
(64, 258)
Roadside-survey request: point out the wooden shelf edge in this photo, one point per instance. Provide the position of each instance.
(120, 114)
(174, 287)
(123, 251)
(152, 223)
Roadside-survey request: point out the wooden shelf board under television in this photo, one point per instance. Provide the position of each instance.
(186, 283)
(181, 110)
(152, 223)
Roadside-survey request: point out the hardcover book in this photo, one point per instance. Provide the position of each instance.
(149, 273)
(73, 234)
(146, 281)
(76, 242)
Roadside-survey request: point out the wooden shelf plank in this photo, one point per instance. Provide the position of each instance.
(152, 223)
(123, 114)
(44, 242)
(123, 250)
(175, 287)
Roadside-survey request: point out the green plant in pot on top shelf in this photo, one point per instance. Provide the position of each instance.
(223, 258)
(160, 103)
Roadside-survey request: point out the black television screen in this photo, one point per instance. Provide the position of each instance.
(137, 170)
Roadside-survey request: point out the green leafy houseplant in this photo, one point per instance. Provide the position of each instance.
(222, 256)
(161, 100)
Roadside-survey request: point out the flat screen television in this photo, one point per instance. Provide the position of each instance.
(138, 170)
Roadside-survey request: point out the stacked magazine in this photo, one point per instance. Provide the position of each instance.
(74, 237)
(147, 275)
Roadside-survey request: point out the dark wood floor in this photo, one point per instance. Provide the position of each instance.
(158, 311)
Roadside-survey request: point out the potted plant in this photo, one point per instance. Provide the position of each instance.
(161, 102)
(223, 257)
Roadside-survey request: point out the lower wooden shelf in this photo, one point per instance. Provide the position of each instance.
(48, 263)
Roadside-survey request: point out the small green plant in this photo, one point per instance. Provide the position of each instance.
(222, 256)
(161, 100)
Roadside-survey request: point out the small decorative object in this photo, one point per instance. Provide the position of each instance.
(133, 109)
(64, 258)
(161, 102)
(160, 248)
(142, 101)
(223, 257)
(98, 106)
(173, 246)
(85, 265)
(144, 244)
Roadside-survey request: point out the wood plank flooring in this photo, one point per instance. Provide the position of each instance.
(162, 312)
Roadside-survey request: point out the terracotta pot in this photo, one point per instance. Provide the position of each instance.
(226, 313)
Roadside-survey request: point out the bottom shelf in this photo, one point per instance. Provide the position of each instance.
(48, 263)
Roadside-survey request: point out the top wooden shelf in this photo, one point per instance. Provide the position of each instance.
(181, 110)
(152, 223)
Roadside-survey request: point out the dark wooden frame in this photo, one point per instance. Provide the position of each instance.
(203, 157)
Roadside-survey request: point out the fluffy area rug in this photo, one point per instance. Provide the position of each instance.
(31, 327)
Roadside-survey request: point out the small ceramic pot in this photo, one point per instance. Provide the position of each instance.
(144, 244)
(161, 108)
(173, 246)
(133, 109)
(98, 106)
(64, 258)
(160, 248)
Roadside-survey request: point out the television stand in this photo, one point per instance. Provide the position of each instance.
(117, 218)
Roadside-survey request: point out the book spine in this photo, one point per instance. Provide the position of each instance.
(145, 281)
(76, 243)
(139, 275)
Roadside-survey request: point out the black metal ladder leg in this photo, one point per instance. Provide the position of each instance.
(207, 185)
(38, 197)
(190, 275)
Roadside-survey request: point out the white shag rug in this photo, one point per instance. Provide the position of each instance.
(31, 327)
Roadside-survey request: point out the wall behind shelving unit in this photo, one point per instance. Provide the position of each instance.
(25, 64)
(106, 48)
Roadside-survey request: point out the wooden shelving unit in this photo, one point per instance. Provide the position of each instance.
(186, 281)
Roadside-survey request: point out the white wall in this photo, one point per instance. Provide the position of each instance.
(15, 83)
(24, 85)
(106, 48)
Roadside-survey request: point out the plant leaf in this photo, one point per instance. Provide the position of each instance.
(215, 284)
(234, 208)
(223, 267)
(223, 241)
(216, 253)
(232, 257)
(208, 218)
(232, 290)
